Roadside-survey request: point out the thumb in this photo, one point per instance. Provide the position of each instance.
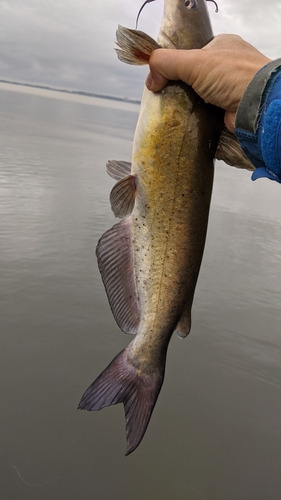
(155, 81)
(166, 64)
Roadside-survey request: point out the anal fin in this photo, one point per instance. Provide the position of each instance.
(114, 254)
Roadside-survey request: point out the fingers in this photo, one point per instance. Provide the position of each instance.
(229, 120)
(219, 73)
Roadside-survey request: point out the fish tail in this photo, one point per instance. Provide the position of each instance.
(122, 382)
(135, 47)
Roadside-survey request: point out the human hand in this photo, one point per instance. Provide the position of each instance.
(219, 73)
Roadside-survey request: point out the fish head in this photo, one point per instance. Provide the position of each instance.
(185, 25)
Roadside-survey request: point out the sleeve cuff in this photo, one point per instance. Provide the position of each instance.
(257, 124)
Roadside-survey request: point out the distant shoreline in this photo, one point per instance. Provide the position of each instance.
(76, 92)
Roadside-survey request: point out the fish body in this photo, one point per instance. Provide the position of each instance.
(173, 164)
(150, 261)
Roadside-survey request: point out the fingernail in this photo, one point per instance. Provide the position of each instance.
(148, 81)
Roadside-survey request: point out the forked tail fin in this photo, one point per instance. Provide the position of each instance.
(121, 382)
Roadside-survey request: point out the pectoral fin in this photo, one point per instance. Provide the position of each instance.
(135, 46)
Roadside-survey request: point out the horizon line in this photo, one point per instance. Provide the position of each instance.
(77, 92)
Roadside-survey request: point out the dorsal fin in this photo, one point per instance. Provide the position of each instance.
(122, 196)
(114, 254)
(230, 151)
(117, 169)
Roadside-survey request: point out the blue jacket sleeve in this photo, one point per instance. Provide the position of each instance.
(258, 122)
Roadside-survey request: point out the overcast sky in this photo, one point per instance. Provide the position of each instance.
(70, 43)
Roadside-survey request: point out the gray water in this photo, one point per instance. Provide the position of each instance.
(215, 433)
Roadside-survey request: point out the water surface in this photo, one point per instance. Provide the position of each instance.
(215, 432)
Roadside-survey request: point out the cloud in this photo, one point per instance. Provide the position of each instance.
(70, 43)
(258, 22)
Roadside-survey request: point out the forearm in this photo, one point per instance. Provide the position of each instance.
(258, 122)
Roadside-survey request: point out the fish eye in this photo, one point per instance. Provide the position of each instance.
(191, 4)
